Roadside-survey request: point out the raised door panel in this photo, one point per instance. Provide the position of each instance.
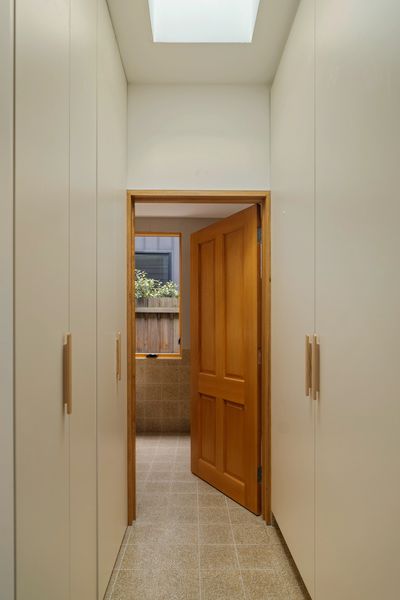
(292, 202)
(111, 260)
(225, 395)
(358, 299)
(41, 298)
(207, 321)
(233, 252)
(82, 256)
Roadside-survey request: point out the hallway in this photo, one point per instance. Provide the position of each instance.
(190, 542)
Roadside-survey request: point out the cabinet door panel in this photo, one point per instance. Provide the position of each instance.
(358, 299)
(41, 298)
(111, 407)
(82, 254)
(292, 204)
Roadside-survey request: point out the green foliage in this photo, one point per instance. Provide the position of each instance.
(145, 287)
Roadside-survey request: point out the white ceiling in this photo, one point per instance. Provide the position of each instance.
(147, 62)
(184, 210)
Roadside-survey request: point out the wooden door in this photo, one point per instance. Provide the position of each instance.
(293, 286)
(225, 340)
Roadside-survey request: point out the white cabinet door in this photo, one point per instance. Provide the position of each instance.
(358, 299)
(41, 298)
(83, 522)
(292, 201)
(7, 299)
(111, 411)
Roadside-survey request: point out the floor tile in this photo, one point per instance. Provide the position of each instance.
(263, 585)
(146, 533)
(157, 487)
(152, 514)
(149, 500)
(211, 500)
(204, 488)
(184, 487)
(250, 534)
(214, 533)
(220, 585)
(213, 514)
(184, 476)
(220, 557)
(131, 585)
(175, 584)
(238, 514)
(143, 556)
(176, 499)
(255, 557)
(182, 514)
(181, 533)
(181, 557)
(156, 476)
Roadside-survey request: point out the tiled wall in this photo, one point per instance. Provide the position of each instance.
(163, 395)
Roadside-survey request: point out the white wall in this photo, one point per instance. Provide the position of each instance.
(6, 302)
(186, 227)
(198, 137)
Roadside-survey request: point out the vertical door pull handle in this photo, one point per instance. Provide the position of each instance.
(67, 373)
(315, 368)
(118, 355)
(308, 366)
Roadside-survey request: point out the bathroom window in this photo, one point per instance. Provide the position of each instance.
(157, 295)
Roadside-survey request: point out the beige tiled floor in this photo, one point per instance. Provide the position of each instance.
(190, 542)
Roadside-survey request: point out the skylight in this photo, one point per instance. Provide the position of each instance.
(203, 21)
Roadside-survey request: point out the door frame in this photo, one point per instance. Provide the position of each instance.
(263, 199)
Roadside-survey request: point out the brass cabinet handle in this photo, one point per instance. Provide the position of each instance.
(308, 366)
(67, 373)
(315, 368)
(118, 355)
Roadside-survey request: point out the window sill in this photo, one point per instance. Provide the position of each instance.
(159, 357)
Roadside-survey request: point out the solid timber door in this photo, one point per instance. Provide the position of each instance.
(225, 286)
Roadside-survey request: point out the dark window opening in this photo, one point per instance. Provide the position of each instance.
(157, 265)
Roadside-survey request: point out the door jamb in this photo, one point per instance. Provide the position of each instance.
(263, 199)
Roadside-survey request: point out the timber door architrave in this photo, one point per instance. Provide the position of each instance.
(263, 199)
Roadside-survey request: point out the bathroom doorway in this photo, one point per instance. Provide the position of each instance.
(163, 396)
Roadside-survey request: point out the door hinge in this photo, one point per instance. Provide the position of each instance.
(260, 247)
(259, 356)
(259, 474)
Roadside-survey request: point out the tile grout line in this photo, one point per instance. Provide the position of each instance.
(236, 550)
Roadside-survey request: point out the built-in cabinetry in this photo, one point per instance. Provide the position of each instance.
(69, 261)
(111, 277)
(6, 298)
(335, 264)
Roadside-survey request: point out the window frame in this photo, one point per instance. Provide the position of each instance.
(164, 355)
